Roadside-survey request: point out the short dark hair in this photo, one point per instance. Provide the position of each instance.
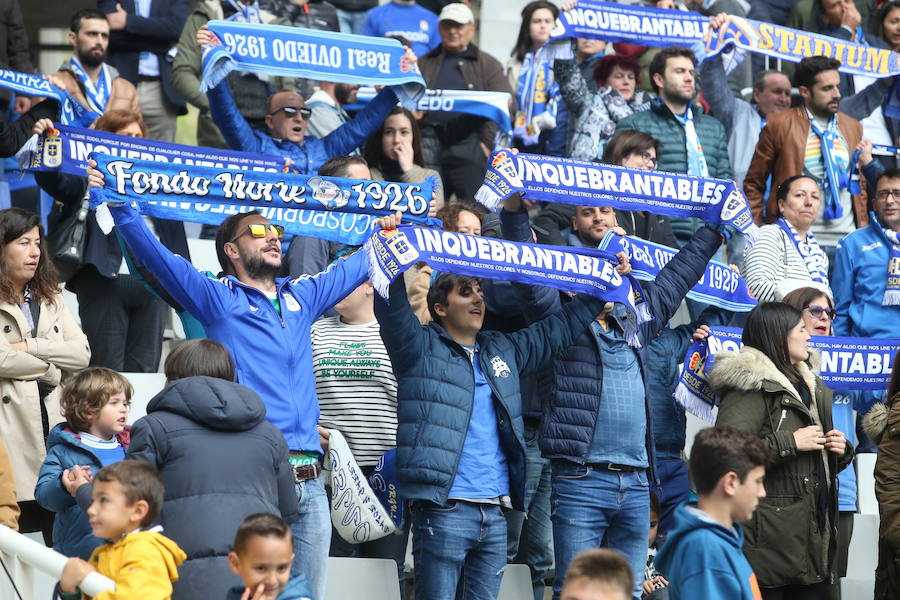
(891, 173)
(809, 68)
(626, 142)
(658, 64)
(766, 329)
(724, 449)
(199, 357)
(441, 288)
(259, 525)
(605, 65)
(227, 232)
(337, 166)
(82, 14)
(85, 395)
(602, 565)
(140, 481)
(655, 506)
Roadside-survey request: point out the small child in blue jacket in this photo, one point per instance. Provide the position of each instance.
(95, 405)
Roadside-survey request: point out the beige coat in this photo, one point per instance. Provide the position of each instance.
(9, 509)
(59, 348)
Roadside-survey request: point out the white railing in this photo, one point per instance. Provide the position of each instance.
(38, 556)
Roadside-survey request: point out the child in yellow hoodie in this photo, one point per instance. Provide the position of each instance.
(127, 497)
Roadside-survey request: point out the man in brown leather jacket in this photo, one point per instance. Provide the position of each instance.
(95, 84)
(789, 145)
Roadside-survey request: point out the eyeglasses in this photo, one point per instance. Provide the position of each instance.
(291, 111)
(883, 194)
(261, 230)
(818, 311)
(647, 157)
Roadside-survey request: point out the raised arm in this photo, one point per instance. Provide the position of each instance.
(320, 292)
(235, 129)
(403, 336)
(353, 133)
(714, 84)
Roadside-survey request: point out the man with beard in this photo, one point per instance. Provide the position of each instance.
(817, 140)
(694, 143)
(95, 84)
(327, 104)
(264, 322)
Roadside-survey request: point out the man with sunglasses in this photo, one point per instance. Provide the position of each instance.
(264, 321)
(287, 118)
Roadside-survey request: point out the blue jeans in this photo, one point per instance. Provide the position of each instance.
(459, 550)
(351, 21)
(530, 541)
(312, 535)
(674, 490)
(593, 507)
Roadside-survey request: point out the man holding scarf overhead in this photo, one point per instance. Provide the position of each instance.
(287, 117)
(93, 83)
(817, 140)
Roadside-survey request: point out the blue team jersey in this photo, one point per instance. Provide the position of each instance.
(411, 21)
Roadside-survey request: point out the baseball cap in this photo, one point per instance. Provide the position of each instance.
(458, 13)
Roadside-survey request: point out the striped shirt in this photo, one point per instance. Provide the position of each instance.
(773, 266)
(356, 386)
(828, 233)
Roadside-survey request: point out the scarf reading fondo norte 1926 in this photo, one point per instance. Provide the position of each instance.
(311, 54)
(660, 27)
(719, 285)
(69, 149)
(332, 208)
(72, 112)
(582, 183)
(581, 270)
(846, 364)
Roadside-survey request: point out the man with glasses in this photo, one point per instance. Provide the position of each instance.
(286, 119)
(264, 320)
(866, 280)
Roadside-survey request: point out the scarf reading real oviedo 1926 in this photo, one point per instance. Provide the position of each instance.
(311, 54)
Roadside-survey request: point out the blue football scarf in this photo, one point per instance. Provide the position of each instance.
(69, 151)
(836, 170)
(97, 94)
(311, 54)
(341, 210)
(580, 270)
(892, 289)
(582, 183)
(383, 482)
(538, 94)
(490, 105)
(810, 251)
(659, 27)
(719, 285)
(846, 364)
(72, 112)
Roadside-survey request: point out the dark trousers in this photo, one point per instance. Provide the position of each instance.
(815, 591)
(122, 320)
(461, 164)
(34, 517)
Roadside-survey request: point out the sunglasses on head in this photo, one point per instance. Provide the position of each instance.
(818, 311)
(261, 230)
(291, 111)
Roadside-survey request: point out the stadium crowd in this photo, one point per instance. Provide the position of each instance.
(525, 424)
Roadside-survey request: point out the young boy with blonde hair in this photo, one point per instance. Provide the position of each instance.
(598, 574)
(95, 405)
(143, 564)
(262, 555)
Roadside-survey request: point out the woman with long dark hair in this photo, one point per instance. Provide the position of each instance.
(394, 153)
(770, 389)
(40, 344)
(531, 78)
(881, 425)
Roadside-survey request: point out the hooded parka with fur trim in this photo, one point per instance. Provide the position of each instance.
(783, 542)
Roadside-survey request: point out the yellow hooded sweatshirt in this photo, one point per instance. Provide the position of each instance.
(143, 564)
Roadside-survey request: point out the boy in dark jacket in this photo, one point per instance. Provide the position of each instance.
(95, 405)
(703, 555)
(461, 449)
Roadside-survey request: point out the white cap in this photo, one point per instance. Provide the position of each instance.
(458, 13)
